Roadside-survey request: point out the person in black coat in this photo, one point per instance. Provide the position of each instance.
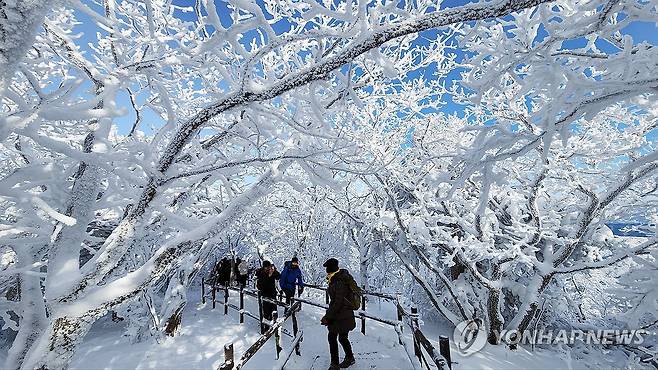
(224, 272)
(266, 278)
(339, 317)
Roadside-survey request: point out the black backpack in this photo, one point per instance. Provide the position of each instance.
(357, 294)
(259, 279)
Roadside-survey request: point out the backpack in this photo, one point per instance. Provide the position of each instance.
(243, 268)
(259, 278)
(357, 294)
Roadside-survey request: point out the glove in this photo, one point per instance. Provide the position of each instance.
(300, 290)
(324, 321)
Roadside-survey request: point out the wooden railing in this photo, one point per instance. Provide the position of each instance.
(441, 358)
(273, 330)
(362, 315)
(242, 292)
(365, 292)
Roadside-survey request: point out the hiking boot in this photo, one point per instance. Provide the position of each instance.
(334, 367)
(347, 362)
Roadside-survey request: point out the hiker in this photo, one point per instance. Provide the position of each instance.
(291, 276)
(224, 272)
(339, 317)
(266, 277)
(218, 273)
(242, 268)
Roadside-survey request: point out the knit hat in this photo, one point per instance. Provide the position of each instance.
(267, 263)
(294, 260)
(331, 264)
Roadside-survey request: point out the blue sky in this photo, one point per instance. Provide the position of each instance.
(641, 32)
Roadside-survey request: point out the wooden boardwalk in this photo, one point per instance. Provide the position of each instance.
(423, 353)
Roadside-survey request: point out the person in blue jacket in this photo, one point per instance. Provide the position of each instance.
(291, 277)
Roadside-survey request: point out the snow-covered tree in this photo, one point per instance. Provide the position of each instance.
(133, 144)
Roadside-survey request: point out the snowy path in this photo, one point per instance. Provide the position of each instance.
(199, 345)
(379, 349)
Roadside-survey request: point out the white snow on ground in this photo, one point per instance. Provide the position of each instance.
(199, 345)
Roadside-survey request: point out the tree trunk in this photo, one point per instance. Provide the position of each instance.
(364, 249)
(495, 318)
(32, 320)
(176, 296)
(526, 313)
(64, 253)
(56, 346)
(174, 321)
(493, 308)
(420, 279)
(456, 269)
(175, 302)
(363, 271)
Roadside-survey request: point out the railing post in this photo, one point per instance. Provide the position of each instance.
(295, 327)
(228, 352)
(214, 292)
(400, 313)
(277, 333)
(241, 305)
(414, 326)
(203, 290)
(299, 294)
(363, 318)
(444, 349)
(226, 300)
(229, 361)
(260, 313)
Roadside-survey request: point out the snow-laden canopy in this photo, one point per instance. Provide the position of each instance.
(469, 155)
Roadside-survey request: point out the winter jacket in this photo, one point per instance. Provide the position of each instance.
(291, 276)
(243, 268)
(224, 272)
(265, 284)
(221, 273)
(340, 316)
